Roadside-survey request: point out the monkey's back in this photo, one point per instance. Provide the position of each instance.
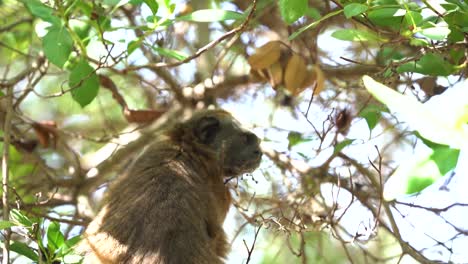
(169, 208)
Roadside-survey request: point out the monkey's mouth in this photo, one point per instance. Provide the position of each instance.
(243, 166)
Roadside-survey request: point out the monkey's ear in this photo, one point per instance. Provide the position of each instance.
(206, 129)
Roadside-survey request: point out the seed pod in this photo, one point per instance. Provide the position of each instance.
(310, 79)
(295, 74)
(276, 74)
(265, 56)
(257, 75)
(320, 79)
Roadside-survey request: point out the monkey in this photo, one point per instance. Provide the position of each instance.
(170, 205)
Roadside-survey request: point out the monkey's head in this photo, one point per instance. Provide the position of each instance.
(218, 132)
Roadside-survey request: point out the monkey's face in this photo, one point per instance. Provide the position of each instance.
(238, 149)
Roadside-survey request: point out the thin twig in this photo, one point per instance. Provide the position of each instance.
(205, 48)
(249, 251)
(5, 171)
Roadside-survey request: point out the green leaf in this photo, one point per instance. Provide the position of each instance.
(211, 15)
(71, 242)
(313, 13)
(292, 10)
(412, 18)
(18, 217)
(388, 16)
(445, 158)
(81, 28)
(416, 174)
(419, 42)
(55, 238)
(135, 2)
(57, 45)
(341, 145)
(84, 83)
(180, 56)
(6, 224)
(436, 33)
(371, 113)
(430, 64)
(354, 9)
(314, 24)
(41, 11)
(24, 250)
(295, 138)
(355, 35)
(133, 45)
(153, 5)
(440, 126)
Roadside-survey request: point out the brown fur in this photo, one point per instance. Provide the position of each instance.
(170, 206)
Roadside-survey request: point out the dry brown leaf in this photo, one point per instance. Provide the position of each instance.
(141, 116)
(310, 78)
(295, 74)
(46, 130)
(258, 75)
(343, 121)
(265, 55)
(275, 72)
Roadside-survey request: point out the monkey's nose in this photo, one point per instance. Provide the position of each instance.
(257, 152)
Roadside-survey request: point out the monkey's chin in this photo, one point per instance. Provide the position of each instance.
(245, 167)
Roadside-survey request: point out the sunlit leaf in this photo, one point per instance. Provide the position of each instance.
(292, 10)
(425, 119)
(58, 45)
(354, 9)
(20, 218)
(436, 33)
(355, 35)
(211, 15)
(84, 83)
(421, 171)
